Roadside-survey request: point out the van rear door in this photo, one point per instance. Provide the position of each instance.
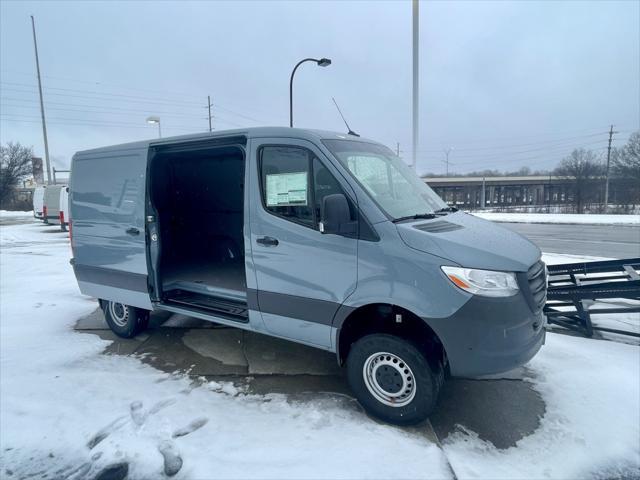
(107, 204)
(302, 275)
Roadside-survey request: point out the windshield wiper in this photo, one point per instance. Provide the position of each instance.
(414, 217)
(446, 210)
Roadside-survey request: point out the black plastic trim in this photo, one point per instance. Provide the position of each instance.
(111, 278)
(308, 309)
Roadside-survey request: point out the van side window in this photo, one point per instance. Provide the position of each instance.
(325, 184)
(294, 184)
(285, 174)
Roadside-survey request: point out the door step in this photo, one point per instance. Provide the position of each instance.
(220, 307)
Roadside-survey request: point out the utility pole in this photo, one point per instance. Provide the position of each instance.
(209, 107)
(44, 124)
(416, 45)
(606, 181)
(447, 152)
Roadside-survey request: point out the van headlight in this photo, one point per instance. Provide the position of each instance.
(487, 283)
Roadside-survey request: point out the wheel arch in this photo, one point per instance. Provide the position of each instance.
(352, 324)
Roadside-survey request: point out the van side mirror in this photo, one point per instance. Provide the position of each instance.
(335, 216)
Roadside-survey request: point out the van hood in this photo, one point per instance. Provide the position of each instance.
(470, 242)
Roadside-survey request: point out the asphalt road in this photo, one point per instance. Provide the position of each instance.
(609, 241)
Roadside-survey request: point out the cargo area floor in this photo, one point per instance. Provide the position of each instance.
(226, 280)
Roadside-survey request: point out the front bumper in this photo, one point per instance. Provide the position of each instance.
(490, 335)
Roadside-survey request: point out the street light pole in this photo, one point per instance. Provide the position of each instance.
(155, 120)
(416, 83)
(323, 62)
(44, 124)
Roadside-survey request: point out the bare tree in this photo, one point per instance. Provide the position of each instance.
(626, 161)
(582, 167)
(15, 164)
(626, 168)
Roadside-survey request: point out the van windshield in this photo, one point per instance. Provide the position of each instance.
(390, 182)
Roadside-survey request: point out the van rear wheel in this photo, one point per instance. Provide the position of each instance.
(124, 320)
(392, 379)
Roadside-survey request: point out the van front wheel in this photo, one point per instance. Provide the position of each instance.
(392, 379)
(124, 320)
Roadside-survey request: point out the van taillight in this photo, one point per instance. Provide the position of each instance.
(44, 212)
(61, 217)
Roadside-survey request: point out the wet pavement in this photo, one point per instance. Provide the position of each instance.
(501, 410)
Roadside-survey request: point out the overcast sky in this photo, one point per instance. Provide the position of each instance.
(504, 84)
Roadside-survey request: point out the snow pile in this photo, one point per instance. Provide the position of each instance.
(591, 428)
(67, 410)
(567, 218)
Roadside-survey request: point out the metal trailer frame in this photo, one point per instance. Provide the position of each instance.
(578, 284)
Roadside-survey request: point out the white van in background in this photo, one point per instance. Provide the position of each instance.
(38, 201)
(51, 207)
(64, 208)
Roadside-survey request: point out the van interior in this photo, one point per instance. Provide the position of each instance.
(198, 195)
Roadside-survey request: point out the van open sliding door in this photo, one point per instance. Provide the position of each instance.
(107, 203)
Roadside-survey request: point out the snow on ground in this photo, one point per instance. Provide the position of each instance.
(59, 394)
(590, 219)
(591, 426)
(67, 410)
(11, 213)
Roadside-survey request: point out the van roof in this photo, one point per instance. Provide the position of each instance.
(254, 132)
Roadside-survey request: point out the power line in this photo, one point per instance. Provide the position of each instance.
(93, 82)
(76, 90)
(562, 140)
(524, 159)
(94, 95)
(89, 122)
(99, 109)
(519, 152)
(188, 104)
(500, 139)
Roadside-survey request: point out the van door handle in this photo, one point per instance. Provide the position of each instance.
(268, 241)
(133, 231)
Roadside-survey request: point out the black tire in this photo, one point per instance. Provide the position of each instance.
(385, 361)
(124, 320)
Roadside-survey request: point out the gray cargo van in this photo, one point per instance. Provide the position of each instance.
(316, 237)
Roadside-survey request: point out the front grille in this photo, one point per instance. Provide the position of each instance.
(536, 286)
